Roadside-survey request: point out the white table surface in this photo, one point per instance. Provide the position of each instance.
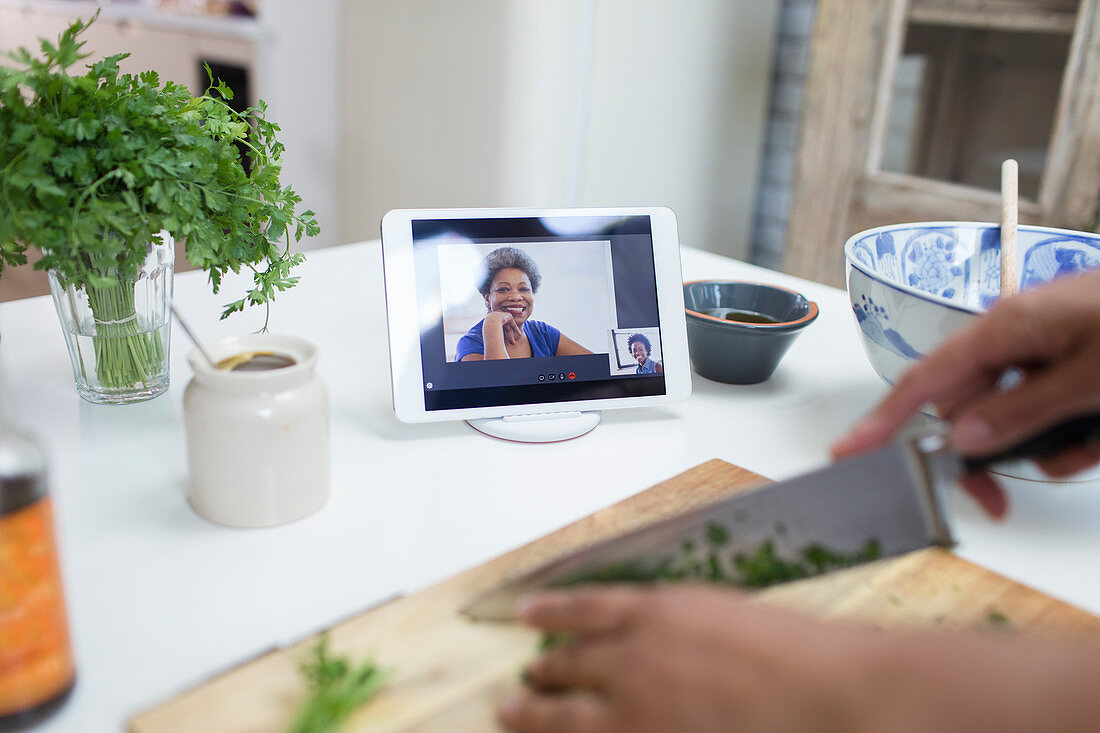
(160, 599)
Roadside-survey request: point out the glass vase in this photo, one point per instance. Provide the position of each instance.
(117, 333)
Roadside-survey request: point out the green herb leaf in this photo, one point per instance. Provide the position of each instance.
(997, 621)
(337, 689)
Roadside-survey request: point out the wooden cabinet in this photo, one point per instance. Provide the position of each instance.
(911, 105)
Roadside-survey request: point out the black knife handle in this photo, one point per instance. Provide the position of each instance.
(1078, 430)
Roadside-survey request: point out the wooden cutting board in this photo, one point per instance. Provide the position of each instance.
(449, 671)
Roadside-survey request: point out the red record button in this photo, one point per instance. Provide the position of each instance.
(572, 375)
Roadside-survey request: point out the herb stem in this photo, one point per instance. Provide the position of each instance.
(126, 355)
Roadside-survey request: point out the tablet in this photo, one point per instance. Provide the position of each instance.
(517, 313)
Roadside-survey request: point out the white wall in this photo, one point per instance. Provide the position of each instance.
(422, 107)
(575, 102)
(677, 112)
(296, 72)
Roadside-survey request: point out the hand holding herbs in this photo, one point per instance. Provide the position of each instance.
(93, 167)
(337, 689)
(696, 658)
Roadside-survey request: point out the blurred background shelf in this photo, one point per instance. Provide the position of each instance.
(160, 17)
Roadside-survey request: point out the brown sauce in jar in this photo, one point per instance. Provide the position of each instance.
(256, 361)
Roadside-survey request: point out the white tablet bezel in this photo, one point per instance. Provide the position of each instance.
(406, 369)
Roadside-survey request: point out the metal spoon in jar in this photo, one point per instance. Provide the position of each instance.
(194, 339)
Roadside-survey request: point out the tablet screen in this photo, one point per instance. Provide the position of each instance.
(519, 311)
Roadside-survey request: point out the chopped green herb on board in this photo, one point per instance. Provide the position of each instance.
(556, 639)
(717, 534)
(549, 640)
(997, 621)
(757, 569)
(337, 689)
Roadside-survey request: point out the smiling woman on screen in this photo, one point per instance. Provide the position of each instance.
(640, 348)
(507, 332)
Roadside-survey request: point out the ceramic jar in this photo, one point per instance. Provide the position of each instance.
(257, 441)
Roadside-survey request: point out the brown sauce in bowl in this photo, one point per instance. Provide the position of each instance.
(740, 316)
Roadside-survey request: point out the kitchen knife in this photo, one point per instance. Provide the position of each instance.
(879, 504)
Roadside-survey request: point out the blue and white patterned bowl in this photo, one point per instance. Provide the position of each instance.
(913, 285)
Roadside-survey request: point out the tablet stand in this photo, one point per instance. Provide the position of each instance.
(545, 427)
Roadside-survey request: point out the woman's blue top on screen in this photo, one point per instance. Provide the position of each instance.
(543, 337)
(650, 367)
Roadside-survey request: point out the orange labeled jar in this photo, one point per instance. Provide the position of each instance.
(36, 663)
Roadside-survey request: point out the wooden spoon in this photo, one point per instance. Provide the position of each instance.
(1009, 220)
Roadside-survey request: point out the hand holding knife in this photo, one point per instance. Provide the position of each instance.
(890, 499)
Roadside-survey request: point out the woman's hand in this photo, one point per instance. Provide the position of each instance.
(507, 324)
(499, 331)
(694, 659)
(1052, 334)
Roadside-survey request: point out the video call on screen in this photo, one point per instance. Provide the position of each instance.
(517, 311)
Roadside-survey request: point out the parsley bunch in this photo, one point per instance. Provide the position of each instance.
(94, 166)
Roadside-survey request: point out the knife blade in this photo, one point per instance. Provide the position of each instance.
(880, 504)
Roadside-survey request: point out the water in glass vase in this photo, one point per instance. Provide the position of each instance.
(117, 330)
(116, 369)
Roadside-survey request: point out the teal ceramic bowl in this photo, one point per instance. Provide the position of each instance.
(739, 331)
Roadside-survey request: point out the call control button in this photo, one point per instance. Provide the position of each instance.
(551, 377)
(561, 376)
(542, 377)
(572, 375)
